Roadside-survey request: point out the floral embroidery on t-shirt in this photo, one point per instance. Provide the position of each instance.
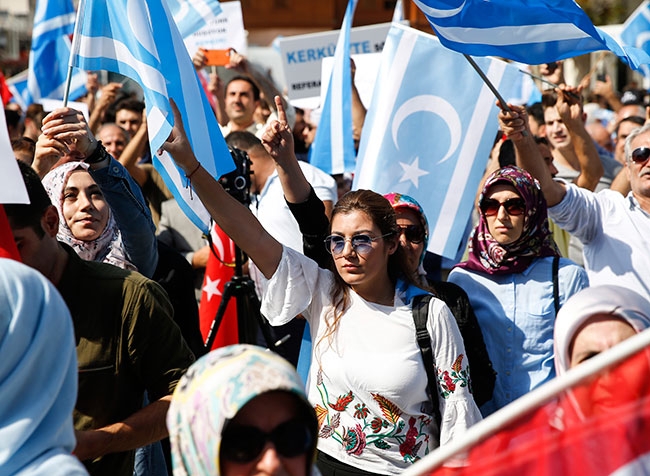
(382, 431)
(448, 380)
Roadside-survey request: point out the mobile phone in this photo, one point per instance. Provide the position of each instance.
(217, 57)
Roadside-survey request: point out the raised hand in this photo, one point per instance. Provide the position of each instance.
(277, 138)
(69, 127)
(514, 123)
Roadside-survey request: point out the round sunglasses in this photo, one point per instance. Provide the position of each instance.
(243, 443)
(361, 244)
(514, 206)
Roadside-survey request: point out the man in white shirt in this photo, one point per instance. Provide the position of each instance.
(615, 230)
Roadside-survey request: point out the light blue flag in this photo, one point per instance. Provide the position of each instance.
(528, 31)
(636, 31)
(192, 15)
(430, 128)
(140, 40)
(50, 53)
(333, 147)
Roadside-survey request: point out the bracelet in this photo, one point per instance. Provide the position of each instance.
(98, 154)
(189, 177)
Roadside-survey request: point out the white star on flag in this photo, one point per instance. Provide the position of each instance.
(211, 287)
(412, 172)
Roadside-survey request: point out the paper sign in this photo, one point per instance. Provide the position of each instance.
(12, 185)
(50, 105)
(224, 31)
(302, 55)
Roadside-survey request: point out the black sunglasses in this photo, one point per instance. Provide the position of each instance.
(243, 444)
(413, 233)
(641, 155)
(514, 206)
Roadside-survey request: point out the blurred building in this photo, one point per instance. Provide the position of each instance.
(16, 21)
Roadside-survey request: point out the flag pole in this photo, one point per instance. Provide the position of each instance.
(486, 80)
(529, 402)
(74, 49)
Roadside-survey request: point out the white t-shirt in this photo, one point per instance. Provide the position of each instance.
(368, 384)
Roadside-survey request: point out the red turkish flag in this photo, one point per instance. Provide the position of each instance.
(8, 247)
(600, 427)
(5, 93)
(217, 273)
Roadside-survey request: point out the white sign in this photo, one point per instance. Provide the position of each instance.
(302, 55)
(50, 105)
(224, 31)
(12, 185)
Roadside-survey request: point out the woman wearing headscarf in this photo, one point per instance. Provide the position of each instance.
(414, 238)
(240, 410)
(615, 400)
(86, 222)
(596, 319)
(509, 278)
(38, 376)
(102, 213)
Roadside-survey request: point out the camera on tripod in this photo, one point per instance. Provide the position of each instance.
(238, 182)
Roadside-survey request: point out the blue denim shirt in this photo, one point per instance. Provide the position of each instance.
(516, 314)
(131, 215)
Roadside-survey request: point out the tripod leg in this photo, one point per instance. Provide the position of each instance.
(216, 322)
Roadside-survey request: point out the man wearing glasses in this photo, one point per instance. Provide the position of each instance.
(615, 230)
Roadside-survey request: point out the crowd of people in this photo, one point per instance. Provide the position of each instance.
(403, 359)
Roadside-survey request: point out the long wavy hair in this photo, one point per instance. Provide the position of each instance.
(382, 214)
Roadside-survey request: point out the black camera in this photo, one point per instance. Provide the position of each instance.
(238, 182)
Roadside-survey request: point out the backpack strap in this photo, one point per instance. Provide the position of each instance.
(420, 317)
(556, 284)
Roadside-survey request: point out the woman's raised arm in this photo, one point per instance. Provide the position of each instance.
(233, 217)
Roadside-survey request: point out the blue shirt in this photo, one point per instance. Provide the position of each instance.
(516, 314)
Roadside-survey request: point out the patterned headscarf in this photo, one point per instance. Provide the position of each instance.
(398, 200)
(108, 247)
(606, 299)
(38, 376)
(536, 241)
(211, 393)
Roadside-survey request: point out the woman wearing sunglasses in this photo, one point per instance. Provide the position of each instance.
(241, 410)
(509, 278)
(414, 238)
(366, 377)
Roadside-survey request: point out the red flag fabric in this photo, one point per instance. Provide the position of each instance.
(5, 93)
(217, 273)
(8, 247)
(600, 427)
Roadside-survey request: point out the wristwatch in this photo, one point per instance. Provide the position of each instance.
(98, 155)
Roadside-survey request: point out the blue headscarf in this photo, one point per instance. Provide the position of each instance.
(38, 376)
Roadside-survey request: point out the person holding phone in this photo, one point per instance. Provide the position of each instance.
(516, 283)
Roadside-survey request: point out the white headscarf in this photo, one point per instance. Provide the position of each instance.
(38, 376)
(607, 299)
(108, 247)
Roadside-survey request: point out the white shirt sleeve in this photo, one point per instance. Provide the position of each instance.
(457, 406)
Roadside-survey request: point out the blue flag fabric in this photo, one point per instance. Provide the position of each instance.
(430, 128)
(50, 53)
(192, 15)
(119, 36)
(528, 31)
(636, 31)
(333, 147)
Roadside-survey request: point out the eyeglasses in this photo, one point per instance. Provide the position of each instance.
(243, 444)
(413, 233)
(361, 244)
(513, 206)
(640, 155)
